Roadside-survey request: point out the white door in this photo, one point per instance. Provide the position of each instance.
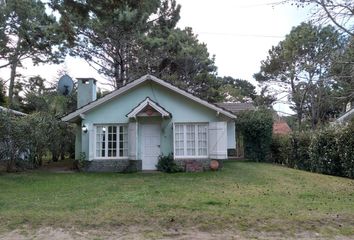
(150, 149)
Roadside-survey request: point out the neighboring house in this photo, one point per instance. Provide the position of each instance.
(14, 112)
(346, 117)
(129, 128)
(280, 127)
(237, 108)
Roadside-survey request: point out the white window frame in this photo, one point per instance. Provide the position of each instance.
(106, 141)
(196, 124)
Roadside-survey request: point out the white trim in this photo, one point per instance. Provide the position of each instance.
(106, 141)
(130, 85)
(191, 157)
(145, 103)
(196, 145)
(344, 117)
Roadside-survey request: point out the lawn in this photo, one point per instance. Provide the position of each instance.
(246, 198)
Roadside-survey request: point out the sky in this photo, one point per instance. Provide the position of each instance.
(238, 32)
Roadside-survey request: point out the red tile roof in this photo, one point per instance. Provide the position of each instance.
(281, 128)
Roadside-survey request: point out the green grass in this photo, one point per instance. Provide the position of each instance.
(244, 196)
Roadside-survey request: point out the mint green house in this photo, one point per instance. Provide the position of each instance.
(128, 129)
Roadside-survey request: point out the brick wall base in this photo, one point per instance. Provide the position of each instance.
(126, 166)
(113, 165)
(196, 165)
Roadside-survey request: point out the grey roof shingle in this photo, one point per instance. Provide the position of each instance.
(236, 107)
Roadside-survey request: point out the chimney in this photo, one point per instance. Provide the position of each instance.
(86, 91)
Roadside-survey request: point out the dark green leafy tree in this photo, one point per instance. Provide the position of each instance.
(27, 32)
(183, 60)
(343, 72)
(110, 34)
(50, 106)
(301, 64)
(127, 39)
(237, 90)
(264, 99)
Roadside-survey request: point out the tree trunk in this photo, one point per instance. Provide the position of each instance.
(12, 83)
(55, 157)
(10, 166)
(62, 152)
(299, 119)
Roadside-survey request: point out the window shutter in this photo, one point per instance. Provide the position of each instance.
(132, 131)
(218, 140)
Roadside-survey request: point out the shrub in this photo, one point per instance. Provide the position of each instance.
(256, 128)
(167, 164)
(346, 149)
(12, 140)
(279, 149)
(299, 151)
(329, 150)
(35, 134)
(324, 152)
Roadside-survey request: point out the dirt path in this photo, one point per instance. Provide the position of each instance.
(136, 233)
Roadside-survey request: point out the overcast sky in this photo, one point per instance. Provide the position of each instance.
(238, 32)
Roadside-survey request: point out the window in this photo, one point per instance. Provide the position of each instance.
(191, 140)
(111, 141)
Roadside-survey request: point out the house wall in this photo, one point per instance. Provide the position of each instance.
(181, 108)
(78, 142)
(231, 135)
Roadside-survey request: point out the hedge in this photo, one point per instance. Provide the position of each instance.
(256, 128)
(328, 151)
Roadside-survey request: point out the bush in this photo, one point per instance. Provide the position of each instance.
(299, 150)
(324, 152)
(35, 134)
(12, 140)
(329, 150)
(346, 150)
(279, 149)
(167, 164)
(256, 128)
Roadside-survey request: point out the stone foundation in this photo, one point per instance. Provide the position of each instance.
(113, 165)
(196, 165)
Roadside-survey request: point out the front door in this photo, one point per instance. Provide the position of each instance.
(150, 149)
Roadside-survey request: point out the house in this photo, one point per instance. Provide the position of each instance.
(129, 128)
(346, 117)
(237, 108)
(281, 127)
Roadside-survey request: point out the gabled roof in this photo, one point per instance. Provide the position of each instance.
(236, 107)
(346, 116)
(148, 77)
(281, 127)
(148, 102)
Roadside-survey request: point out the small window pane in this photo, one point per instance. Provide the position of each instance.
(109, 138)
(191, 140)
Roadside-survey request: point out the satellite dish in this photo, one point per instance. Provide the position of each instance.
(65, 85)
